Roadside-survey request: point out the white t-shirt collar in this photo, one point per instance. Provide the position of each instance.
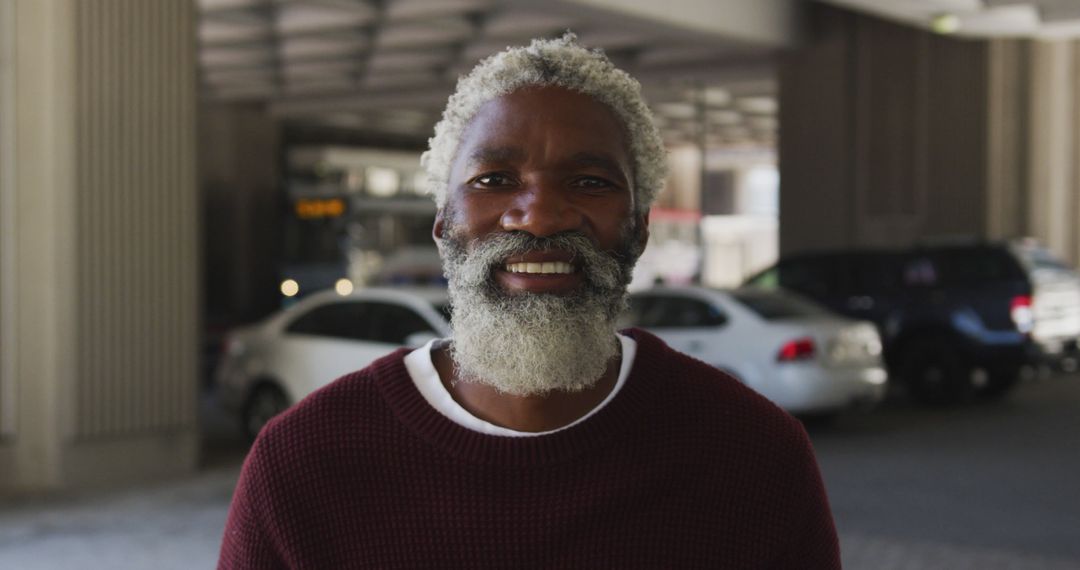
(422, 371)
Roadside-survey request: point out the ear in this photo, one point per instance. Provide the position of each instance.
(438, 229)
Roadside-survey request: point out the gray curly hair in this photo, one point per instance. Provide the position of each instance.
(560, 62)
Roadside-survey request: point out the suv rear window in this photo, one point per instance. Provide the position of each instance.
(773, 306)
(960, 267)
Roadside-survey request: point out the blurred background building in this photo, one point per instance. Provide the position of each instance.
(171, 169)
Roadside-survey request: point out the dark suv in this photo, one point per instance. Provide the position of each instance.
(955, 319)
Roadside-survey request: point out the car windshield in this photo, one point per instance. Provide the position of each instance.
(776, 306)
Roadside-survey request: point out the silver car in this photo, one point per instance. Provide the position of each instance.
(271, 365)
(794, 352)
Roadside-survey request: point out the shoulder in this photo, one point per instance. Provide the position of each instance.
(713, 402)
(726, 431)
(338, 414)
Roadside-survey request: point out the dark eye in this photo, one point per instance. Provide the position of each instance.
(593, 183)
(493, 180)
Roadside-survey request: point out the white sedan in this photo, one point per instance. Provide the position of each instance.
(805, 359)
(274, 364)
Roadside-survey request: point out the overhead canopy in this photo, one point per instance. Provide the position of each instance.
(389, 65)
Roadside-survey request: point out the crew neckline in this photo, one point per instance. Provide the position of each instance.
(421, 368)
(629, 412)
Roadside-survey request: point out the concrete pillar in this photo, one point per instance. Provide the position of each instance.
(239, 173)
(1008, 98)
(1052, 146)
(98, 296)
(892, 135)
(817, 108)
(883, 135)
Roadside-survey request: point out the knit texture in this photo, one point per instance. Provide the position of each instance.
(685, 468)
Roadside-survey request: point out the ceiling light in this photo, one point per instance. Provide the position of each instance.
(716, 97)
(725, 117)
(945, 23)
(759, 105)
(677, 110)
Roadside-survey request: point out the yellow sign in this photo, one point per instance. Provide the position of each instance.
(313, 209)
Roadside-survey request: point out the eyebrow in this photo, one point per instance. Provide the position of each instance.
(504, 154)
(496, 154)
(599, 160)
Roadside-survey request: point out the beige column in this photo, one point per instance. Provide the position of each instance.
(1052, 138)
(98, 295)
(1009, 87)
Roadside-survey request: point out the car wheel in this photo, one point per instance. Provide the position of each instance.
(264, 403)
(999, 383)
(936, 373)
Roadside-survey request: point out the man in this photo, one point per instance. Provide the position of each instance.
(537, 437)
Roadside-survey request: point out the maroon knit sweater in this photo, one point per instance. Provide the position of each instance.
(685, 468)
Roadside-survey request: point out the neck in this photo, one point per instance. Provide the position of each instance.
(535, 413)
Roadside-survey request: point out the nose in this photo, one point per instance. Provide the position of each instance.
(542, 210)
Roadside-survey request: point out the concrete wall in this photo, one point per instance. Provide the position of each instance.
(893, 135)
(1008, 96)
(101, 262)
(883, 135)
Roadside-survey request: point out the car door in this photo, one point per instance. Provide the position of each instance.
(325, 343)
(874, 289)
(687, 324)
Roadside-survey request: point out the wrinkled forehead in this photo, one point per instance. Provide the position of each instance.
(506, 128)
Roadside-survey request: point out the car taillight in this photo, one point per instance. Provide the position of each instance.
(797, 350)
(1022, 314)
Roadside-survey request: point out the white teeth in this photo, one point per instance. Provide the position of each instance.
(545, 267)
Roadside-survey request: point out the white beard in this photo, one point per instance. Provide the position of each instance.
(528, 344)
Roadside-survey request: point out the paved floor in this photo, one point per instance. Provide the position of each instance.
(990, 486)
(169, 526)
(984, 486)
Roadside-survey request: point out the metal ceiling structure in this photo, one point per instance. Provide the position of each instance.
(389, 65)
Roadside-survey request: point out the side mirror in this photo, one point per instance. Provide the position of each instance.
(418, 339)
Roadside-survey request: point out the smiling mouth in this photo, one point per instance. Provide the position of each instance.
(541, 268)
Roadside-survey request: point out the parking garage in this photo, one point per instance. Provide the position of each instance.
(172, 170)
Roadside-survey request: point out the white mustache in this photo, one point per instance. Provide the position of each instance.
(601, 270)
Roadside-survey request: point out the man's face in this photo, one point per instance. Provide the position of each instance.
(543, 161)
(538, 239)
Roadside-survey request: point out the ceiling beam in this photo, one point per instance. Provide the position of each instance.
(434, 95)
(762, 23)
(431, 96)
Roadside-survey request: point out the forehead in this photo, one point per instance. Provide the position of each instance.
(555, 118)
